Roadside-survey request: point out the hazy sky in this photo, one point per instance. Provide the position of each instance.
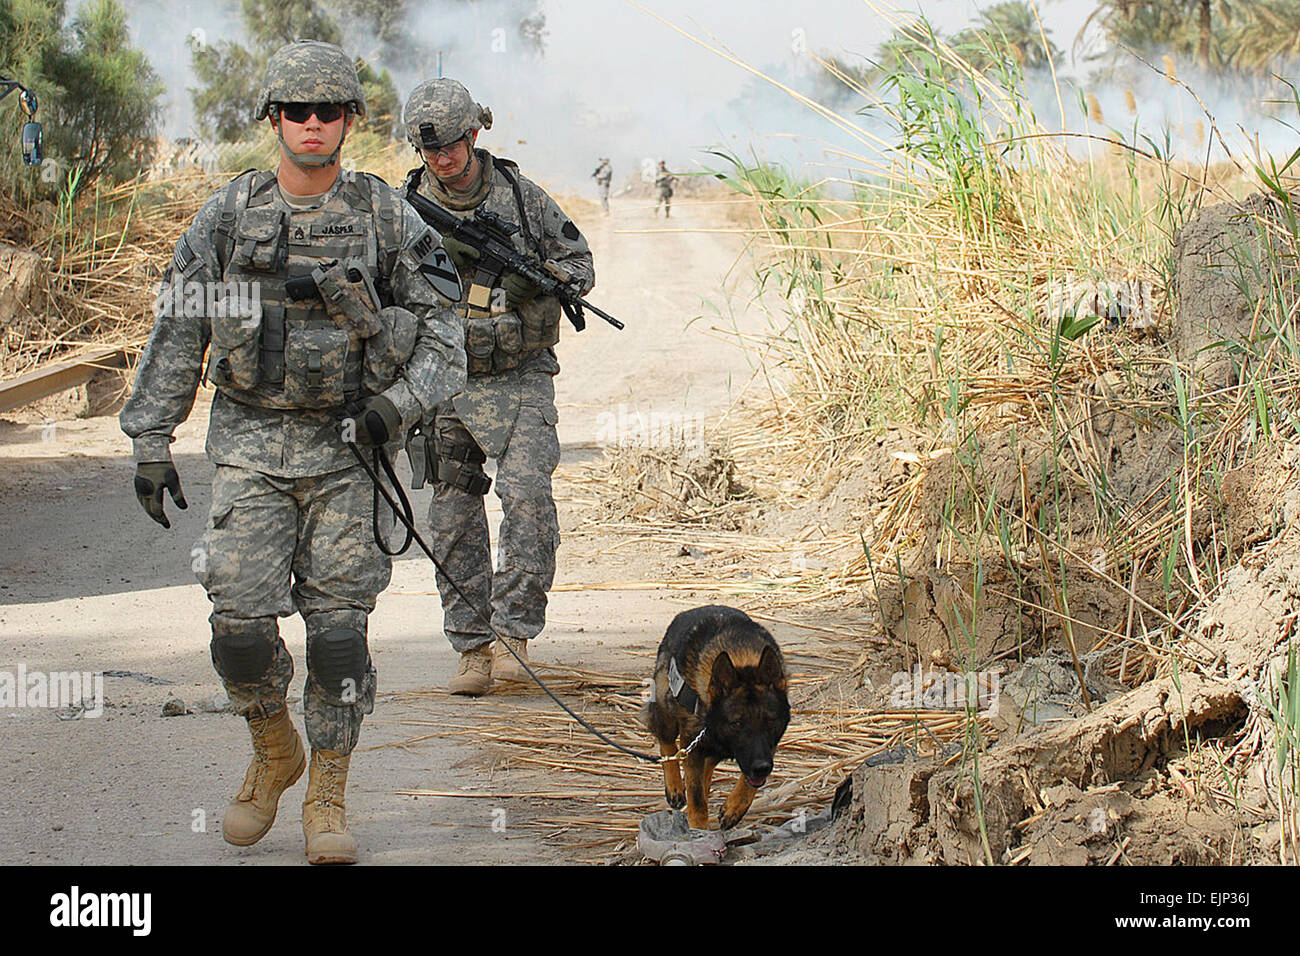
(615, 80)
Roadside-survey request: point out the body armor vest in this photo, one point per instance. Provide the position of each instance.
(294, 355)
(499, 339)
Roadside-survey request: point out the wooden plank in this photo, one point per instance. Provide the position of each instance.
(52, 379)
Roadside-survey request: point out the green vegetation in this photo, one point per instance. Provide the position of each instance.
(98, 95)
(1006, 302)
(230, 74)
(1258, 38)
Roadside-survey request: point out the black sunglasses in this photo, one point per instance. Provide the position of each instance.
(301, 112)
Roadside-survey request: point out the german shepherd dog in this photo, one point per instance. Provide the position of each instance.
(720, 673)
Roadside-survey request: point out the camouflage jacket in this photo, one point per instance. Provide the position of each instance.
(552, 230)
(288, 442)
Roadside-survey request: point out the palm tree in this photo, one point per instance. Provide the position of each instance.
(910, 46)
(1007, 28)
(1268, 41)
(1199, 29)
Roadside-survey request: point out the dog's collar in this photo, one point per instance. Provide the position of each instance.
(682, 691)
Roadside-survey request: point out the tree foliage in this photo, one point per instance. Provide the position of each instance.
(1251, 37)
(99, 97)
(230, 74)
(1005, 30)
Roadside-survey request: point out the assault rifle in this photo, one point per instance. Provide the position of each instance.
(489, 235)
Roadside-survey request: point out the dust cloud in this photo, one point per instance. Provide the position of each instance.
(618, 79)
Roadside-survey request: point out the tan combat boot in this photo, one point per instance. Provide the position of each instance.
(504, 665)
(324, 817)
(278, 761)
(474, 678)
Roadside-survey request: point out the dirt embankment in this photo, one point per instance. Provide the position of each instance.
(1173, 759)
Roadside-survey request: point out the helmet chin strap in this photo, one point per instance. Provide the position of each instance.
(310, 160)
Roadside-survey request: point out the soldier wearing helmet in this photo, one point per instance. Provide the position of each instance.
(664, 190)
(604, 175)
(369, 350)
(507, 410)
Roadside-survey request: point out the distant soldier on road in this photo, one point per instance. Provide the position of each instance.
(604, 175)
(664, 185)
(290, 527)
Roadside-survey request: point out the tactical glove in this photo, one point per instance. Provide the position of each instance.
(377, 421)
(151, 477)
(462, 255)
(518, 290)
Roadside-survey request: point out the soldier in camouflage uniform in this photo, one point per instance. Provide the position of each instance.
(507, 410)
(664, 184)
(604, 175)
(290, 527)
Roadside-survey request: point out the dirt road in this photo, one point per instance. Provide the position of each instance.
(88, 583)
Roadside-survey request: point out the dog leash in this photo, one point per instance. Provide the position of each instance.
(406, 514)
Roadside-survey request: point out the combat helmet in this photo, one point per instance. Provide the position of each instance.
(439, 112)
(310, 71)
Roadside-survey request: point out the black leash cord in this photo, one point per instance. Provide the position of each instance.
(406, 516)
(407, 513)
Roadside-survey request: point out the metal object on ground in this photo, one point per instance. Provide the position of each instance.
(668, 839)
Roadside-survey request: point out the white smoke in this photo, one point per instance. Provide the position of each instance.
(617, 81)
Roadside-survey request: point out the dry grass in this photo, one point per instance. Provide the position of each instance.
(101, 258)
(594, 799)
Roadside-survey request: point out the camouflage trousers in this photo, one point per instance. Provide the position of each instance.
(602, 187)
(278, 545)
(665, 199)
(528, 539)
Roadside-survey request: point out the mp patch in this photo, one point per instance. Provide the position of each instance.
(436, 266)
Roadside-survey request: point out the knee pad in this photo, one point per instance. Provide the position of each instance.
(338, 663)
(243, 649)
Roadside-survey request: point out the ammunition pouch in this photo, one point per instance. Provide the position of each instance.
(315, 367)
(540, 323)
(235, 351)
(502, 342)
(261, 240)
(480, 339)
(509, 342)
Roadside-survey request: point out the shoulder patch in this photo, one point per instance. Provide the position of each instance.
(184, 258)
(433, 262)
(563, 228)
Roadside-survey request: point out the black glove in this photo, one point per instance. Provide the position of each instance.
(464, 256)
(518, 290)
(151, 477)
(377, 420)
